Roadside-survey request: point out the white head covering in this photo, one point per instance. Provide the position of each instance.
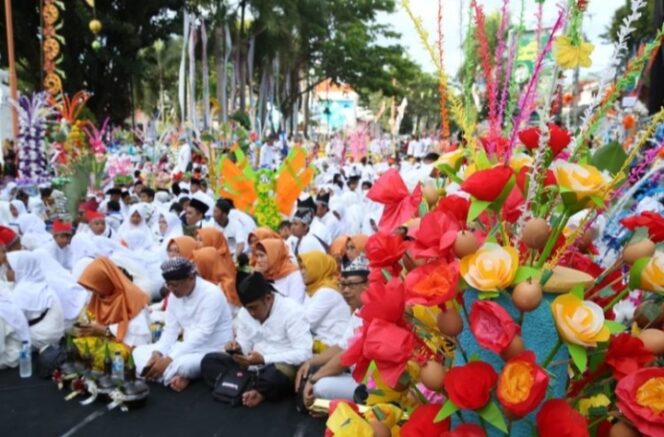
(173, 226)
(20, 207)
(127, 226)
(72, 296)
(13, 316)
(33, 231)
(31, 292)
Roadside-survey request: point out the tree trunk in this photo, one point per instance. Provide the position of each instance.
(206, 77)
(220, 66)
(250, 78)
(240, 64)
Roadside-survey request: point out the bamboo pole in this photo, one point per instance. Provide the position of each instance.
(12, 64)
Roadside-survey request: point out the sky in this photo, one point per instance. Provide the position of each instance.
(597, 19)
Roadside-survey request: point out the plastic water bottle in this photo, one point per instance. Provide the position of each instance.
(118, 367)
(25, 360)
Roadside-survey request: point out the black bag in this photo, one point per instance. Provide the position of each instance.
(49, 359)
(231, 384)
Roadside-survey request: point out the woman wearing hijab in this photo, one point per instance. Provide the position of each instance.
(136, 220)
(183, 246)
(273, 261)
(324, 307)
(142, 262)
(346, 249)
(214, 269)
(35, 298)
(256, 236)
(33, 231)
(170, 226)
(224, 267)
(117, 312)
(14, 331)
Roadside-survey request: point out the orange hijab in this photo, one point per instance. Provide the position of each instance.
(212, 268)
(186, 245)
(115, 299)
(263, 234)
(338, 246)
(211, 237)
(279, 263)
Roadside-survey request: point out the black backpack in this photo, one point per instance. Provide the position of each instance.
(231, 384)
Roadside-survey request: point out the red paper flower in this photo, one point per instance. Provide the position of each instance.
(436, 235)
(495, 144)
(640, 397)
(465, 430)
(469, 386)
(492, 326)
(383, 250)
(654, 222)
(421, 422)
(522, 385)
(487, 184)
(400, 206)
(383, 301)
(559, 138)
(549, 179)
(456, 206)
(512, 208)
(432, 283)
(558, 419)
(626, 355)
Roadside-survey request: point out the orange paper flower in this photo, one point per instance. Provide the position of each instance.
(521, 385)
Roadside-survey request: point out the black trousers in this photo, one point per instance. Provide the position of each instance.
(270, 381)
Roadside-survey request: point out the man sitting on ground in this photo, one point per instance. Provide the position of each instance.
(272, 333)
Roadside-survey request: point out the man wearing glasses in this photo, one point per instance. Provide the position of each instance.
(323, 376)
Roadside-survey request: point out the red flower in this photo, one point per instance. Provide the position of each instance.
(436, 235)
(487, 184)
(627, 354)
(400, 206)
(492, 326)
(383, 301)
(522, 385)
(421, 422)
(559, 138)
(474, 395)
(549, 179)
(432, 283)
(456, 206)
(383, 250)
(639, 397)
(511, 210)
(499, 144)
(465, 430)
(654, 222)
(558, 419)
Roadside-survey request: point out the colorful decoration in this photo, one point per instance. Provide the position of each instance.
(34, 114)
(51, 46)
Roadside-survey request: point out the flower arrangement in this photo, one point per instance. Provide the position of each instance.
(490, 291)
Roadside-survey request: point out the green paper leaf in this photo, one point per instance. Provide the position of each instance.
(597, 411)
(635, 272)
(579, 356)
(476, 208)
(577, 291)
(523, 273)
(640, 234)
(378, 413)
(449, 171)
(614, 327)
(488, 295)
(546, 275)
(387, 275)
(482, 161)
(651, 311)
(606, 292)
(492, 414)
(609, 157)
(474, 357)
(424, 208)
(596, 359)
(448, 409)
(597, 201)
(507, 189)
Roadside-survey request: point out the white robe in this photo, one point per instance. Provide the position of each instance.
(13, 331)
(327, 313)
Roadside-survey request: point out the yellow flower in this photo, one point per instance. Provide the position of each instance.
(568, 55)
(584, 180)
(450, 158)
(651, 395)
(345, 422)
(652, 276)
(491, 268)
(597, 401)
(520, 160)
(579, 321)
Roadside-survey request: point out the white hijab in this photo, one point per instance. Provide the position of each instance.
(31, 292)
(126, 226)
(72, 296)
(173, 226)
(13, 316)
(20, 207)
(33, 231)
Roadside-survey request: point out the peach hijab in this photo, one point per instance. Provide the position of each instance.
(279, 262)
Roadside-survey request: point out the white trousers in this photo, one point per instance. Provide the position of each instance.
(335, 387)
(188, 366)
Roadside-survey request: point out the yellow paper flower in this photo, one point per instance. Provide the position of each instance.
(450, 158)
(491, 268)
(519, 160)
(652, 276)
(579, 321)
(651, 395)
(568, 55)
(584, 180)
(597, 401)
(345, 422)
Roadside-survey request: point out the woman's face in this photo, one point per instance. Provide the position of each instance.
(199, 241)
(163, 226)
(252, 242)
(13, 210)
(352, 251)
(173, 250)
(136, 218)
(261, 261)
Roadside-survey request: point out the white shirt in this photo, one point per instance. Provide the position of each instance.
(351, 328)
(234, 232)
(291, 285)
(203, 318)
(138, 330)
(248, 224)
(184, 157)
(328, 314)
(308, 243)
(333, 226)
(64, 256)
(284, 337)
(268, 156)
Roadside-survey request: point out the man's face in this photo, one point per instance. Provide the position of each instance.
(219, 215)
(352, 288)
(299, 229)
(260, 309)
(285, 232)
(145, 198)
(62, 240)
(126, 199)
(321, 210)
(352, 185)
(138, 188)
(193, 216)
(181, 287)
(195, 188)
(115, 197)
(97, 226)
